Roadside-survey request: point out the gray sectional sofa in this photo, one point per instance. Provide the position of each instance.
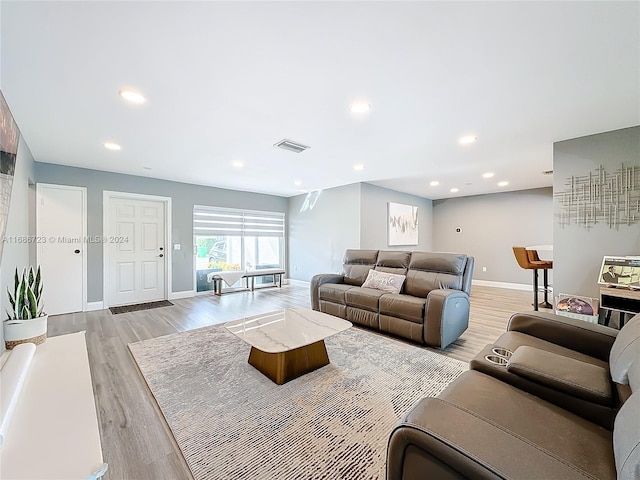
(432, 306)
(564, 405)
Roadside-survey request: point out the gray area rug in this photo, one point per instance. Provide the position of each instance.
(232, 422)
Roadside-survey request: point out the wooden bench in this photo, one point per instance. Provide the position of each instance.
(249, 276)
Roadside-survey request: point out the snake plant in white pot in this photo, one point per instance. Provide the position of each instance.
(27, 322)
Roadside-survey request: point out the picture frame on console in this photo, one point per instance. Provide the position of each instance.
(402, 224)
(620, 271)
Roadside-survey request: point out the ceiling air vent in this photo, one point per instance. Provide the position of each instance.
(291, 146)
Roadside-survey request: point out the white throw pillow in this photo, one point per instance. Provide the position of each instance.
(387, 282)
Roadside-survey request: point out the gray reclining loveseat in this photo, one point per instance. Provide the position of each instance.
(431, 306)
(509, 423)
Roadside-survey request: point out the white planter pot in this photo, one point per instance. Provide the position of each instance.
(22, 331)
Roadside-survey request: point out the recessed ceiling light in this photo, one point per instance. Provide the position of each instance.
(488, 175)
(503, 183)
(434, 183)
(132, 96)
(358, 166)
(454, 190)
(360, 107)
(112, 146)
(297, 183)
(466, 140)
(238, 163)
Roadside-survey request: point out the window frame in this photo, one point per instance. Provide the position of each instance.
(225, 222)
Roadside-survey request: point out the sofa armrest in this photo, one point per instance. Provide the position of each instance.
(318, 280)
(584, 337)
(446, 316)
(568, 375)
(438, 439)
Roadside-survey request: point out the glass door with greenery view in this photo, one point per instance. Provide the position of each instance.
(229, 239)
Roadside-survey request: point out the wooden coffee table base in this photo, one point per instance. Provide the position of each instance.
(285, 366)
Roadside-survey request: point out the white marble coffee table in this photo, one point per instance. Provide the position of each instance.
(288, 343)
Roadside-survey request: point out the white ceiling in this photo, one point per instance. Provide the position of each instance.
(226, 80)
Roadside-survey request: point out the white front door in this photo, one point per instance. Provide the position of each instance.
(62, 243)
(135, 237)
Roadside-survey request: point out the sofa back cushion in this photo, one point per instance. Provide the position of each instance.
(391, 261)
(356, 265)
(430, 271)
(624, 353)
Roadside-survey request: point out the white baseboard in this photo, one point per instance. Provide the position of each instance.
(179, 295)
(296, 282)
(512, 286)
(92, 306)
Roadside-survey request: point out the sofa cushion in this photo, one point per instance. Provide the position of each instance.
(430, 271)
(403, 328)
(333, 292)
(363, 317)
(334, 309)
(365, 298)
(360, 257)
(512, 433)
(393, 261)
(600, 414)
(626, 439)
(522, 413)
(513, 340)
(403, 306)
(387, 282)
(355, 275)
(356, 265)
(625, 351)
(573, 377)
(590, 339)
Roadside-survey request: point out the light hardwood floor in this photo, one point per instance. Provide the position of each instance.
(135, 439)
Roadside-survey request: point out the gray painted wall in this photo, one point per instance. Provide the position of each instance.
(18, 224)
(183, 196)
(352, 216)
(493, 224)
(373, 218)
(322, 225)
(578, 252)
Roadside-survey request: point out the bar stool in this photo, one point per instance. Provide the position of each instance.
(529, 260)
(533, 258)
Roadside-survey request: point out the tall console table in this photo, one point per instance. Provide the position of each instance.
(621, 300)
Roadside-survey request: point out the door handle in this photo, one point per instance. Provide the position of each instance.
(76, 251)
(161, 255)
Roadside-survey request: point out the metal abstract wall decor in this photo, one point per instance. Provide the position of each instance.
(402, 224)
(609, 198)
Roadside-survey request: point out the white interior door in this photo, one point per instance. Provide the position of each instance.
(61, 252)
(135, 238)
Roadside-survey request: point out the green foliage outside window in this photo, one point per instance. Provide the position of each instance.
(224, 265)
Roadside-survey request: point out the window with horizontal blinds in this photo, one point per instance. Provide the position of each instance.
(232, 239)
(225, 221)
